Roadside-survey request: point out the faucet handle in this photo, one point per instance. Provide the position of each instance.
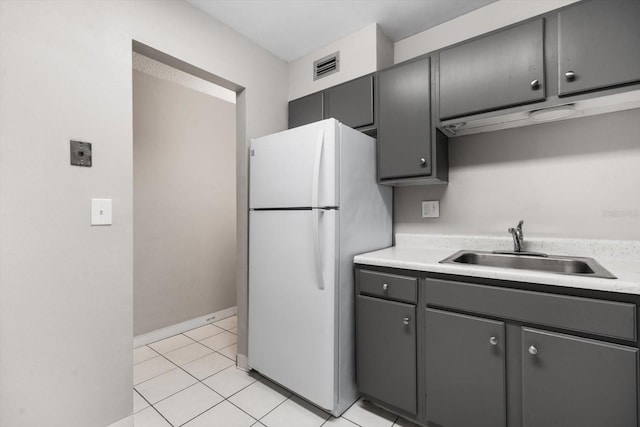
(519, 228)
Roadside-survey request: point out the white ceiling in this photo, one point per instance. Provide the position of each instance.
(293, 28)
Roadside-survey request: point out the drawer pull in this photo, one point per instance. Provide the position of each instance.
(385, 287)
(405, 320)
(493, 341)
(533, 350)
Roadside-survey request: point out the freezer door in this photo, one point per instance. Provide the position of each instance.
(295, 168)
(292, 301)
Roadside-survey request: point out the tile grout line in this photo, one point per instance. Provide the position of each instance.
(194, 377)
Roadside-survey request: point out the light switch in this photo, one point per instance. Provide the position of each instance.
(100, 211)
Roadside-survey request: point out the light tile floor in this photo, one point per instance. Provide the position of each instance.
(191, 380)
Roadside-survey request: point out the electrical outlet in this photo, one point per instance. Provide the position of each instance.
(431, 209)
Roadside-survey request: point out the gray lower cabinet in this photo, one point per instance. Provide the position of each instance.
(599, 45)
(493, 353)
(305, 110)
(404, 120)
(465, 370)
(575, 382)
(493, 72)
(386, 352)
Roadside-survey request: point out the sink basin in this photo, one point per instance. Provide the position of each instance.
(576, 266)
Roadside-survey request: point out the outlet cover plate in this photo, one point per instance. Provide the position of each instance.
(431, 209)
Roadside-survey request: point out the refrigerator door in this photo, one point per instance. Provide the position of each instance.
(292, 300)
(295, 168)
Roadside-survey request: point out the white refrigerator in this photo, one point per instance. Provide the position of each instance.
(314, 204)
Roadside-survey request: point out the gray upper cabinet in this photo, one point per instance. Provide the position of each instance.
(493, 72)
(404, 120)
(305, 110)
(351, 103)
(599, 45)
(574, 382)
(465, 370)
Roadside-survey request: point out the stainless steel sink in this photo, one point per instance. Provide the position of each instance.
(576, 266)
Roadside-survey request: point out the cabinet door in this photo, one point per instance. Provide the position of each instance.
(599, 42)
(404, 121)
(465, 370)
(305, 110)
(386, 352)
(496, 71)
(575, 382)
(351, 103)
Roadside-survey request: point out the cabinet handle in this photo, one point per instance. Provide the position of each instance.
(570, 76)
(405, 320)
(423, 162)
(533, 350)
(385, 287)
(535, 84)
(493, 341)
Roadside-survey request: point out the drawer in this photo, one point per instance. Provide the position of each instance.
(389, 286)
(593, 316)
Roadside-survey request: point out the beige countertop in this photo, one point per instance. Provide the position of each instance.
(424, 253)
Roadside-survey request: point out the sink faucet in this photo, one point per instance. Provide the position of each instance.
(518, 237)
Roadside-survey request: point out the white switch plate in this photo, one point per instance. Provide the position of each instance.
(431, 209)
(100, 211)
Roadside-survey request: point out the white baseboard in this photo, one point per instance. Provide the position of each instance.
(179, 328)
(125, 422)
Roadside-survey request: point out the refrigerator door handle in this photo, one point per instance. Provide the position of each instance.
(315, 181)
(315, 189)
(316, 247)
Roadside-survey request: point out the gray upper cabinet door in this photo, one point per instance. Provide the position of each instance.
(465, 370)
(404, 121)
(351, 103)
(305, 110)
(496, 71)
(599, 45)
(575, 382)
(386, 352)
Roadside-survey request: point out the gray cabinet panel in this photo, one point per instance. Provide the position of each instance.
(351, 103)
(308, 109)
(575, 382)
(600, 42)
(404, 121)
(465, 371)
(386, 352)
(493, 72)
(390, 286)
(607, 318)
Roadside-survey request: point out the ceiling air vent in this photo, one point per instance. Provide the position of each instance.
(326, 66)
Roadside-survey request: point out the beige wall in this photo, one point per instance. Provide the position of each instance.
(361, 53)
(575, 178)
(66, 287)
(184, 217)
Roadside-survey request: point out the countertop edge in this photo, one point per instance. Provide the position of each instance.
(427, 260)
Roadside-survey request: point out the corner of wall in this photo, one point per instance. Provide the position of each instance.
(384, 50)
